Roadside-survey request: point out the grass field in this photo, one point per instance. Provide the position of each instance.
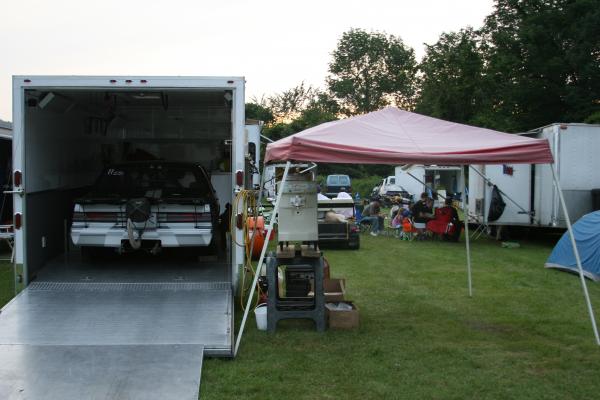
(7, 290)
(525, 333)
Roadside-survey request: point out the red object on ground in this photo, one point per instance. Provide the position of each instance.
(439, 225)
(259, 237)
(394, 136)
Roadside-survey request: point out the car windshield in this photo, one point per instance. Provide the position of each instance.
(335, 180)
(156, 180)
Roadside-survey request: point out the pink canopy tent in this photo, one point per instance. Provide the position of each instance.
(394, 136)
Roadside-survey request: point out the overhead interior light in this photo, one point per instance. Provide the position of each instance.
(46, 99)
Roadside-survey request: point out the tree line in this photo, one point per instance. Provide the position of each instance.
(533, 62)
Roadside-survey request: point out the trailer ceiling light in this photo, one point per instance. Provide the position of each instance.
(27, 80)
(128, 81)
(143, 81)
(113, 81)
(46, 99)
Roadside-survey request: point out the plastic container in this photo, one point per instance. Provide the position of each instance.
(260, 312)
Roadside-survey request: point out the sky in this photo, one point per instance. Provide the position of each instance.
(274, 44)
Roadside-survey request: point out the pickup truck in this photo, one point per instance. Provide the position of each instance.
(339, 230)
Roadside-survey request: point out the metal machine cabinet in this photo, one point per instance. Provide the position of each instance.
(297, 221)
(297, 307)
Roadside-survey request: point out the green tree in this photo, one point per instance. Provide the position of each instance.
(370, 70)
(451, 77)
(543, 62)
(254, 110)
(288, 104)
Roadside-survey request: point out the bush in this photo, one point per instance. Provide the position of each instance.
(364, 186)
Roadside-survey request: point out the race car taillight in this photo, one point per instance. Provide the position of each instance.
(95, 217)
(187, 217)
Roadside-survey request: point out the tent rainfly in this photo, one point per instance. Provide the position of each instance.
(587, 236)
(394, 136)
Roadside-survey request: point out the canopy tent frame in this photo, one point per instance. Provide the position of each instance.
(342, 155)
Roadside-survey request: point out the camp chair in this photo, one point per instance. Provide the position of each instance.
(442, 224)
(391, 230)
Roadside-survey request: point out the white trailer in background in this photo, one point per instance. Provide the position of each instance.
(529, 193)
(116, 327)
(416, 179)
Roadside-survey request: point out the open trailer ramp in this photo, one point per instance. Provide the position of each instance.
(130, 372)
(61, 340)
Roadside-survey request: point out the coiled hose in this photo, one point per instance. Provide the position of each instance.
(245, 204)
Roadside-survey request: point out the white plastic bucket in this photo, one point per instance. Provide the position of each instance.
(260, 312)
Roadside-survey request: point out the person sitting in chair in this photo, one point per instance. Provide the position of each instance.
(422, 213)
(370, 214)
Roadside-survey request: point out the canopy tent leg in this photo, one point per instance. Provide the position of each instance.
(576, 252)
(466, 218)
(261, 258)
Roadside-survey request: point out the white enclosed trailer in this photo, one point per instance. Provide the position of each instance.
(104, 314)
(416, 179)
(529, 193)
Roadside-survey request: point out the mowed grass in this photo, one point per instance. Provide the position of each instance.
(7, 289)
(524, 334)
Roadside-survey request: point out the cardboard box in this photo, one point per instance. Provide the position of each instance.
(343, 319)
(335, 290)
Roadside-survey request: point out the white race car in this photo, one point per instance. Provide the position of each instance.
(149, 205)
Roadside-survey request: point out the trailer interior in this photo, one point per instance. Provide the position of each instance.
(181, 299)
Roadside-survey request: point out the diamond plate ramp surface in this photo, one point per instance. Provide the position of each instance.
(119, 314)
(95, 340)
(35, 372)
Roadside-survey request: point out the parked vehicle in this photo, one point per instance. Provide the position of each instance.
(149, 205)
(335, 183)
(389, 191)
(337, 230)
(528, 191)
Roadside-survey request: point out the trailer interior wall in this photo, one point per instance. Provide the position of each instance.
(71, 138)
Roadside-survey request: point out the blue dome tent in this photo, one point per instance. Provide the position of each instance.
(587, 236)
